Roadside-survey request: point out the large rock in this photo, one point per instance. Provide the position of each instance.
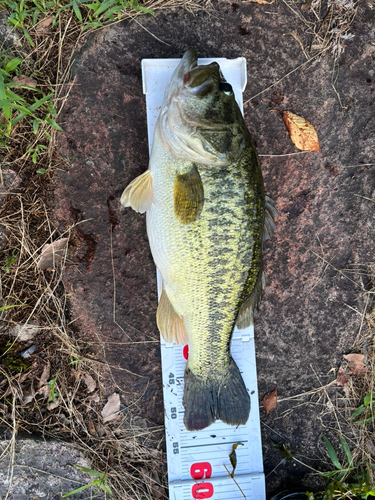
(42, 469)
(314, 263)
(8, 34)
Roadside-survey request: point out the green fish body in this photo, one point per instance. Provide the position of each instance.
(206, 213)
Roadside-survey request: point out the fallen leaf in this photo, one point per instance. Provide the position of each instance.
(262, 2)
(45, 391)
(111, 409)
(90, 382)
(23, 377)
(270, 401)
(76, 374)
(27, 399)
(302, 133)
(306, 5)
(54, 405)
(45, 375)
(233, 457)
(25, 80)
(356, 365)
(100, 430)
(91, 428)
(24, 332)
(342, 377)
(44, 24)
(52, 254)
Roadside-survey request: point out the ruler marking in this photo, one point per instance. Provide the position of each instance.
(210, 444)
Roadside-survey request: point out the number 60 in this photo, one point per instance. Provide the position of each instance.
(199, 471)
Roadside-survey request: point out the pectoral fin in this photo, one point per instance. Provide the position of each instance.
(170, 324)
(188, 196)
(138, 194)
(245, 316)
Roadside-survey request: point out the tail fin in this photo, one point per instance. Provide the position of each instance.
(206, 400)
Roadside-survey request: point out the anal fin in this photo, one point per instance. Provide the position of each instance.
(138, 194)
(170, 324)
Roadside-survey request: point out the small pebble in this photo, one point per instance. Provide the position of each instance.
(28, 352)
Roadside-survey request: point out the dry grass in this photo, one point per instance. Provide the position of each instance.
(126, 449)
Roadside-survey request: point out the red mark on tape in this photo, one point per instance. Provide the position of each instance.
(201, 470)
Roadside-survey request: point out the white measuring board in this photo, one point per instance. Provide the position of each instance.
(196, 459)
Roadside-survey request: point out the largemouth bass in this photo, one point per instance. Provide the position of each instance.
(207, 217)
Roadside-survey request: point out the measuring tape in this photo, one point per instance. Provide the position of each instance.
(198, 461)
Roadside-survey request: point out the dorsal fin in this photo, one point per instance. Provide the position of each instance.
(245, 316)
(270, 213)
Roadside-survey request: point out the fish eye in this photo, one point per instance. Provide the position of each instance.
(226, 88)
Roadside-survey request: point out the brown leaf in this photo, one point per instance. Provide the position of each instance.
(302, 133)
(27, 399)
(100, 430)
(356, 365)
(270, 401)
(52, 254)
(23, 377)
(25, 80)
(24, 331)
(91, 428)
(342, 377)
(306, 5)
(44, 24)
(76, 374)
(111, 409)
(90, 382)
(45, 375)
(53, 405)
(45, 391)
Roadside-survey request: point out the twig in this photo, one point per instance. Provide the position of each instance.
(235, 482)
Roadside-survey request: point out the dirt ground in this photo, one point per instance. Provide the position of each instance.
(316, 263)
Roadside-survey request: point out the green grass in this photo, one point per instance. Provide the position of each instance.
(36, 106)
(100, 483)
(89, 13)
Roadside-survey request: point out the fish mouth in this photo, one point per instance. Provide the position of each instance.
(190, 59)
(195, 79)
(188, 62)
(199, 80)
